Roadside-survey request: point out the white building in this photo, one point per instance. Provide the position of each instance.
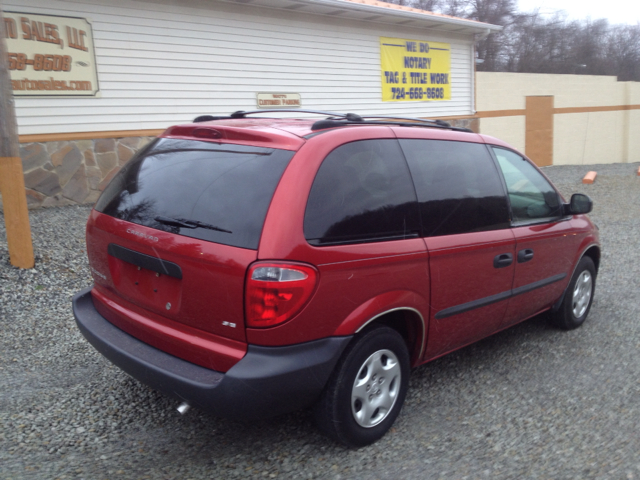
(163, 62)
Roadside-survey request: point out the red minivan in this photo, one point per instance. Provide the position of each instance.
(254, 266)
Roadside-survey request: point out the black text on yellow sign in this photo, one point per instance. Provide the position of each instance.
(415, 70)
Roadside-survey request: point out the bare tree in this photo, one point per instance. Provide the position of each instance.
(428, 5)
(495, 12)
(623, 53)
(532, 43)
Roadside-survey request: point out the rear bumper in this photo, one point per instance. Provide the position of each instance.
(268, 381)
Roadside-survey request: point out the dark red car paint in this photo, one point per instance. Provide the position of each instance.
(200, 317)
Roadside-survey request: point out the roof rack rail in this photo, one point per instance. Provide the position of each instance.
(442, 123)
(388, 120)
(335, 119)
(243, 114)
(208, 118)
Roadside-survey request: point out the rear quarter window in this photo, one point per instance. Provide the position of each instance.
(362, 193)
(218, 192)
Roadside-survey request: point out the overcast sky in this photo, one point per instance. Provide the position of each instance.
(616, 11)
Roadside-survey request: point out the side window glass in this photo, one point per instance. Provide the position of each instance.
(362, 193)
(458, 186)
(531, 196)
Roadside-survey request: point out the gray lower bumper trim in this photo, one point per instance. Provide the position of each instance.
(268, 381)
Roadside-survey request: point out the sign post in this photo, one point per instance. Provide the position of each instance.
(14, 199)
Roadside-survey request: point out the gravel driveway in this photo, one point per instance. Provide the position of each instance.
(530, 402)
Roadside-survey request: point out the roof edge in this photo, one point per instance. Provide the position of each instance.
(415, 14)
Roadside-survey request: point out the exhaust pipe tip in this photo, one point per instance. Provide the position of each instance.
(183, 408)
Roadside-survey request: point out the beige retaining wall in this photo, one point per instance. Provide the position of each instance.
(596, 118)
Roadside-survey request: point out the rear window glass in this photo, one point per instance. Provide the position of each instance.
(214, 192)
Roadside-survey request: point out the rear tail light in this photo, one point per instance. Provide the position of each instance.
(275, 292)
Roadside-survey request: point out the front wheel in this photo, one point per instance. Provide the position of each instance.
(578, 298)
(366, 391)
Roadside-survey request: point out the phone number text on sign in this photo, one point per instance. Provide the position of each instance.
(47, 63)
(414, 70)
(418, 93)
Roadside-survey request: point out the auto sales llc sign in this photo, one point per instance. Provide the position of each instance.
(50, 55)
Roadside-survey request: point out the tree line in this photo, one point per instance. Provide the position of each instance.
(534, 43)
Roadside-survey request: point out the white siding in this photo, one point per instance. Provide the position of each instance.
(164, 63)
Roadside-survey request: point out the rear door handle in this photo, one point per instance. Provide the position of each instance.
(502, 260)
(525, 255)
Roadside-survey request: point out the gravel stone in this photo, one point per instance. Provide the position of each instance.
(530, 402)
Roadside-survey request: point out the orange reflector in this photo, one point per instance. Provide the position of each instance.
(589, 177)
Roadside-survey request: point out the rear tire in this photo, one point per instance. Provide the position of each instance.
(366, 390)
(578, 298)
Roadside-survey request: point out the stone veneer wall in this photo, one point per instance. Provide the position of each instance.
(472, 124)
(73, 172)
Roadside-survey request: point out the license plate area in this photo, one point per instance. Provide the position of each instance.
(147, 281)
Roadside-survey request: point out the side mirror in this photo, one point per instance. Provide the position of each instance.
(579, 204)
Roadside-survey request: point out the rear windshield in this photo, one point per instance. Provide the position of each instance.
(214, 192)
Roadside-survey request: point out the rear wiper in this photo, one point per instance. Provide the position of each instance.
(181, 222)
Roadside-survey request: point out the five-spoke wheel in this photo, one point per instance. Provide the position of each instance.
(376, 388)
(582, 293)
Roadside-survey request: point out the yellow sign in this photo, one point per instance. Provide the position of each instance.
(415, 70)
(50, 56)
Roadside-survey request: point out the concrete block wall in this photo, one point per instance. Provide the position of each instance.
(633, 120)
(596, 118)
